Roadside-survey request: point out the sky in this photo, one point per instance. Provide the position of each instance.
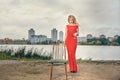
(94, 17)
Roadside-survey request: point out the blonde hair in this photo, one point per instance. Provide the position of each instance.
(74, 19)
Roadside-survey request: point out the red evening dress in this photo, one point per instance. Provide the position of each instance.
(71, 44)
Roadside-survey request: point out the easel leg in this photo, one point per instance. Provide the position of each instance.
(66, 71)
(51, 71)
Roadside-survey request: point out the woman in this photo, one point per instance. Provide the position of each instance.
(72, 31)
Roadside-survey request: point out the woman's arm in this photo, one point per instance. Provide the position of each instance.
(77, 32)
(65, 33)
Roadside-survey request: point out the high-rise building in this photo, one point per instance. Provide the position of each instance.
(31, 32)
(54, 34)
(61, 36)
(33, 39)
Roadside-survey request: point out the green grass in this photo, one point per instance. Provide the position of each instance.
(3, 56)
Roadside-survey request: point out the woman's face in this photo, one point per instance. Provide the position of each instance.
(71, 20)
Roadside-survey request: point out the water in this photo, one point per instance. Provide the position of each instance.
(83, 51)
(98, 52)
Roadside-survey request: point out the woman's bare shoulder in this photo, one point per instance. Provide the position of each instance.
(67, 24)
(72, 25)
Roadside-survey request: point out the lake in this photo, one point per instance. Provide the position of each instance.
(83, 51)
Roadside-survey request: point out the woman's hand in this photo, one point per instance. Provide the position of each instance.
(76, 34)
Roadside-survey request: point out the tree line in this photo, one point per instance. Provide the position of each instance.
(102, 41)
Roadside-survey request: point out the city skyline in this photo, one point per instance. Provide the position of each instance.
(39, 38)
(95, 17)
(58, 35)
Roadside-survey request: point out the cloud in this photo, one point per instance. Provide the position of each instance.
(94, 16)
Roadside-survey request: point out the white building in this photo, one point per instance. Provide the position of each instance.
(61, 35)
(82, 39)
(35, 38)
(38, 38)
(102, 36)
(116, 36)
(110, 39)
(54, 34)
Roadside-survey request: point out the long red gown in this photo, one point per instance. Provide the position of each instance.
(71, 44)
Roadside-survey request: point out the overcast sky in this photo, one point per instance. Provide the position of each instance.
(94, 17)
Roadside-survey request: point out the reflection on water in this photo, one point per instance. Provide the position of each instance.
(83, 51)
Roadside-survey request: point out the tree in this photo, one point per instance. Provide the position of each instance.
(114, 42)
(118, 40)
(97, 42)
(103, 41)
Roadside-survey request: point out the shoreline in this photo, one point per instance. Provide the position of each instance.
(46, 61)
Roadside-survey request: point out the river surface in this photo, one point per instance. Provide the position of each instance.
(83, 51)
